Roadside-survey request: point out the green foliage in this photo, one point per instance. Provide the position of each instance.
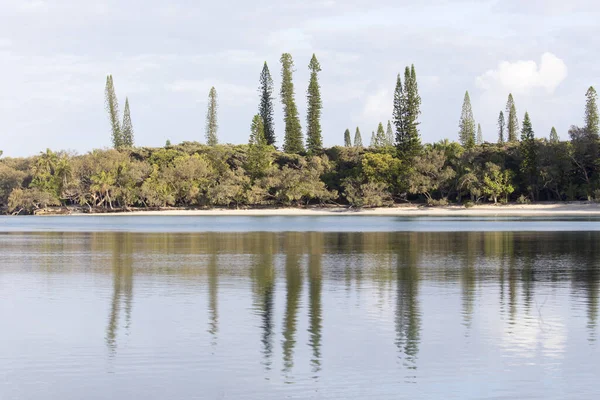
(430, 173)
(168, 143)
(592, 120)
(112, 107)
(347, 139)
(513, 121)
(380, 168)
(554, 136)
(379, 139)
(497, 182)
(212, 125)
(529, 163)
(466, 133)
(293, 131)
(501, 127)
(259, 155)
(314, 140)
(479, 135)
(127, 131)
(265, 108)
(389, 135)
(358, 138)
(407, 108)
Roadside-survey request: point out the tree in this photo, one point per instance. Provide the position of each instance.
(358, 138)
(314, 140)
(389, 135)
(554, 136)
(497, 182)
(380, 138)
(257, 131)
(293, 131)
(347, 139)
(430, 174)
(259, 155)
(374, 143)
(265, 108)
(127, 135)
(407, 108)
(211, 118)
(529, 153)
(501, 127)
(112, 107)
(479, 135)
(466, 133)
(513, 120)
(591, 112)
(168, 143)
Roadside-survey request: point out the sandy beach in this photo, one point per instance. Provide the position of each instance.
(549, 209)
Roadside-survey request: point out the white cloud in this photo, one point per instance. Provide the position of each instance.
(378, 107)
(521, 77)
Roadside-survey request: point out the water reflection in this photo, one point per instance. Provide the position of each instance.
(294, 283)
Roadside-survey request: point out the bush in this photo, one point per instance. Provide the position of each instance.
(468, 204)
(522, 199)
(437, 203)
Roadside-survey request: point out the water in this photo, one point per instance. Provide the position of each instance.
(470, 314)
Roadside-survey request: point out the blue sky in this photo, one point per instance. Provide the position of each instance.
(55, 56)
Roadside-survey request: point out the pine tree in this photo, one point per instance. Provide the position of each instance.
(347, 139)
(529, 154)
(379, 139)
(211, 118)
(513, 121)
(479, 135)
(257, 131)
(407, 108)
(293, 131)
(399, 109)
(168, 143)
(591, 112)
(112, 107)
(265, 108)
(314, 140)
(373, 143)
(389, 135)
(554, 136)
(501, 127)
(358, 138)
(127, 131)
(466, 133)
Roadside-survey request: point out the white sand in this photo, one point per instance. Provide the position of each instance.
(549, 209)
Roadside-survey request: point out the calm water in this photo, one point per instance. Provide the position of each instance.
(469, 314)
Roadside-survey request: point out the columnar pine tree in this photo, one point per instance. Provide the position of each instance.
(529, 153)
(347, 138)
(293, 131)
(211, 118)
(591, 112)
(380, 136)
(389, 135)
(373, 143)
(398, 112)
(127, 130)
(407, 102)
(501, 127)
(265, 108)
(479, 135)
(257, 131)
(314, 140)
(466, 133)
(112, 107)
(554, 136)
(513, 121)
(358, 138)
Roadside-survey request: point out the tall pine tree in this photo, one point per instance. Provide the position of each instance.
(314, 140)
(112, 107)
(257, 131)
(389, 135)
(479, 135)
(407, 108)
(347, 138)
(554, 136)
(293, 131)
(591, 112)
(265, 108)
(127, 130)
(212, 125)
(373, 143)
(529, 154)
(501, 127)
(512, 125)
(466, 133)
(358, 138)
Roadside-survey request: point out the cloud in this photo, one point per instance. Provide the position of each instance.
(228, 93)
(378, 107)
(522, 77)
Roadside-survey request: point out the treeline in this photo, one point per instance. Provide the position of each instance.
(396, 167)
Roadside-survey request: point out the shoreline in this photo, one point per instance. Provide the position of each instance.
(487, 210)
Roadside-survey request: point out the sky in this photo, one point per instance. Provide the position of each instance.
(165, 56)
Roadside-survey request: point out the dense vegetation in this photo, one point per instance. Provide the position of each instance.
(396, 167)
